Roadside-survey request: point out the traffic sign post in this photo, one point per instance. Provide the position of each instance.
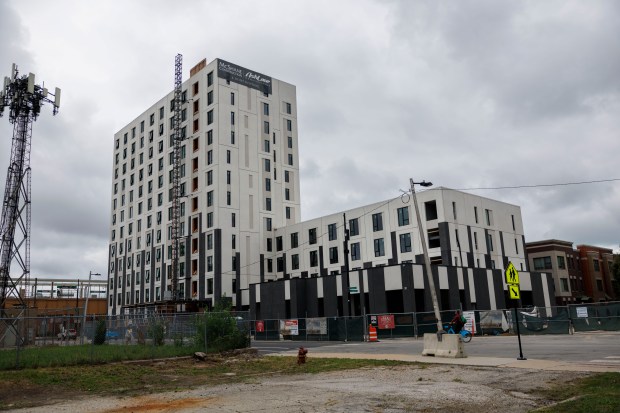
(512, 279)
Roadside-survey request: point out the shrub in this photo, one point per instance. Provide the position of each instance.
(221, 330)
(100, 331)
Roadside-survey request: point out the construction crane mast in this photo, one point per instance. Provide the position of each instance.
(24, 99)
(176, 176)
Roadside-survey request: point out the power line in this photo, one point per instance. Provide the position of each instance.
(538, 185)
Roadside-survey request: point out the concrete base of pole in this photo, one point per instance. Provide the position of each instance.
(450, 346)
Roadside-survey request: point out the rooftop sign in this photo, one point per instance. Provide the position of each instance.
(243, 76)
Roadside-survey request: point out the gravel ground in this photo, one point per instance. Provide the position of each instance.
(431, 388)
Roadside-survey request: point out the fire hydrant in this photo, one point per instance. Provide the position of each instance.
(301, 355)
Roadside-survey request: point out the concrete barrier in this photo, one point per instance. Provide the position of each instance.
(450, 346)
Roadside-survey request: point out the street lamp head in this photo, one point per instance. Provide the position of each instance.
(426, 184)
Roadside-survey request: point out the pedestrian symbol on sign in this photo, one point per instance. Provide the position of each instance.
(512, 275)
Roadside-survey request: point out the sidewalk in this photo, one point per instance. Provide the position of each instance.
(500, 362)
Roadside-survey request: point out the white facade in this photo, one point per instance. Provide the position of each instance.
(461, 230)
(240, 176)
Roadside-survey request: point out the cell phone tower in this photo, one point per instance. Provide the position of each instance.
(24, 99)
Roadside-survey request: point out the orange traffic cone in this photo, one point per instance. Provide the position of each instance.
(372, 333)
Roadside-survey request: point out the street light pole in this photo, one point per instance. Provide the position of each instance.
(427, 260)
(90, 274)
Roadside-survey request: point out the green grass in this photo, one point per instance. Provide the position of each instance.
(598, 393)
(54, 356)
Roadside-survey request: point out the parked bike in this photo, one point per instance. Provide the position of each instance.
(464, 334)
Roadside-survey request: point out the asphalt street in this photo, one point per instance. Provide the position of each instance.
(593, 347)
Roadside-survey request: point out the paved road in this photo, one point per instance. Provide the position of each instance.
(596, 348)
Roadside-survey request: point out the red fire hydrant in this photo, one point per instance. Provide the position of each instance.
(301, 355)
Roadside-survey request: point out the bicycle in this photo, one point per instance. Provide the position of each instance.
(465, 334)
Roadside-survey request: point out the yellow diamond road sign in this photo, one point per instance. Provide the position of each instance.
(512, 275)
(514, 291)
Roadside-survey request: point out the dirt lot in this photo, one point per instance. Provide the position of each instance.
(405, 388)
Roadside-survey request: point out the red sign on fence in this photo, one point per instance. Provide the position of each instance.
(385, 322)
(260, 326)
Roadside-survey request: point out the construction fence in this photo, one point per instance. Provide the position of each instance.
(533, 320)
(69, 340)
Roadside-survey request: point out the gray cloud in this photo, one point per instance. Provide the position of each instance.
(465, 94)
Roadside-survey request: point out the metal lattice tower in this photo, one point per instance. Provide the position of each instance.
(23, 98)
(176, 187)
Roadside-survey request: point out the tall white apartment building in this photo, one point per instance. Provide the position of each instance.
(239, 181)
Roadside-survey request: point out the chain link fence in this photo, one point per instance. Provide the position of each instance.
(67, 340)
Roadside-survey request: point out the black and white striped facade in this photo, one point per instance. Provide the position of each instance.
(397, 288)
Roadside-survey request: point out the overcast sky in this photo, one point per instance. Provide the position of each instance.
(466, 94)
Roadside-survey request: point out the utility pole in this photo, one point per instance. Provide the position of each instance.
(427, 260)
(90, 274)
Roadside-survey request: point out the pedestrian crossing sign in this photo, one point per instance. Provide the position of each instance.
(512, 275)
(514, 291)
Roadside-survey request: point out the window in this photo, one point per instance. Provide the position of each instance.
(405, 242)
(209, 157)
(268, 204)
(287, 107)
(287, 212)
(403, 216)
(232, 98)
(228, 156)
(228, 177)
(232, 118)
(294, 240)
(542, 263)
(209, 241)
(210, 198)
(377, 222)
(290, 159)
(233, 220)
(597, 266)
(266, 109)
(232, 137)
(599, 285)
(209, 178)
(434, 240)
(210, 117)
(269, 245)
(210, 263)
(289, 125)
(295, 261)
(354, 228)
(430, 208)
(333, 255)
(355, 251)
(290, 142)
(490, 241)
(561, 263)
(476, 214)
(267, 165)
(266, 127)
(489, 216)
(314, 261)
(379, 249)
(564, 284)
(512, 217)
(286, 176)
(279, 245)
(228, 198)
(332, 232)
(312, 236)
(267, 184)
(209, 219)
